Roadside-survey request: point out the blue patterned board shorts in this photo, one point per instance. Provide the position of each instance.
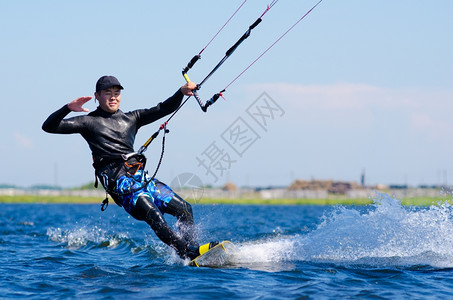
(158, 191)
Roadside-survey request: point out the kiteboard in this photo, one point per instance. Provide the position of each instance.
(215, 257)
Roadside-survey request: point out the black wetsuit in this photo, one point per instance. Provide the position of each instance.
(111, 135)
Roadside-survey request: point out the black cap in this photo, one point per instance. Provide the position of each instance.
(106, 82)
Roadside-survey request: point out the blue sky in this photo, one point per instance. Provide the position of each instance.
(361, 86)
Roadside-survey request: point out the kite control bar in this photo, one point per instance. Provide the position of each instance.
(208, 103)
(230, 51)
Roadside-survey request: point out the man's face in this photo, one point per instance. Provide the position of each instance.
(109, 99)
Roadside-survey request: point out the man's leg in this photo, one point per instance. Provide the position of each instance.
(182, 210)
(146, 210)
(166, 201)
(171, 203)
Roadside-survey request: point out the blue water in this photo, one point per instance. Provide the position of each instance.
(383, 251)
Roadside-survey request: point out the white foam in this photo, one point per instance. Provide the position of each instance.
(383, 233)
(80, 236)
(264, 251)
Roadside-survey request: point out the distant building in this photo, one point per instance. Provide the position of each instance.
(332, 187)
(229, 186)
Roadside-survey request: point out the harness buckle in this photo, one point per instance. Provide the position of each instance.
(127, 156)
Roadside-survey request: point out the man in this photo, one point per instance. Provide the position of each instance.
(110, 134)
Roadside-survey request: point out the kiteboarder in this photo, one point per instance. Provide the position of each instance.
(110, 134)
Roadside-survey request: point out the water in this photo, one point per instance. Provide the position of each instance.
(381, 251)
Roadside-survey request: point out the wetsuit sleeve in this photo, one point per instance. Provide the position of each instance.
(56, 124)
(146, 116)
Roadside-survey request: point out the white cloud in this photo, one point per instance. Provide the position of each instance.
(437, 128)
(424, 111)
(22, 141)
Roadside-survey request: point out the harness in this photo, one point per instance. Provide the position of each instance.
(109, 169)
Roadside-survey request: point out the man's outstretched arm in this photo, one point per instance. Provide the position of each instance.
(52, 124)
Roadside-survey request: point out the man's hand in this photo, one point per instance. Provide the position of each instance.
(187, 88)
(76, 105)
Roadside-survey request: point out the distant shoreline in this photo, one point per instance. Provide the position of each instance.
(39, 199)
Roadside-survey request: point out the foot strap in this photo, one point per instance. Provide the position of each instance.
(204, 248)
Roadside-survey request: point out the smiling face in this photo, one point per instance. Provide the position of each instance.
(109, 99)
